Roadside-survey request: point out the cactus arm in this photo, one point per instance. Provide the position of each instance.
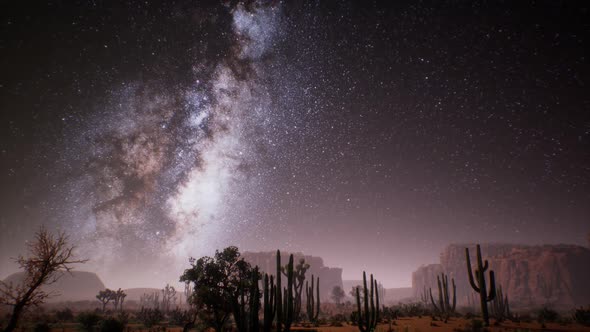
(366, 293)
(485, 265)
(377, 301)
(432, 300)
(318, 297)
(359, 311)
(441, 302)
(492, 294)
(278, 297)
(469, 272)
(454, 294)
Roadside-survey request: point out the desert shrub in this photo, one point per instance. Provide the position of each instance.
(474, 325)
(111, 325)
(64, 315)
(336, 320)
(150, 317)
(41, 327)
(88, 320)
(180, 317)
(582, 316)
(123, 317)
(547, 314)
(564, 321)
(469, 315)
(390, 313)
(526, 318)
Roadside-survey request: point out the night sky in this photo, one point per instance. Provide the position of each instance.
(371, 136)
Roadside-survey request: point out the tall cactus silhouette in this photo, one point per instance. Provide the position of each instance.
(269, 302)
(279, 294)
(313, 307)
(368, 318)
(444, 302)
(289, 300)
(480, 286)
(254, 305)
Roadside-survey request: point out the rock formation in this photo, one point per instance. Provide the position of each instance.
(555, 275)
(74, 286)
(329, 276)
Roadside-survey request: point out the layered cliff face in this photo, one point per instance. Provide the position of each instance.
(329, 276)
(531, 275)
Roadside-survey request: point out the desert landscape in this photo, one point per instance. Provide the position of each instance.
(294, 166)
(234, 292)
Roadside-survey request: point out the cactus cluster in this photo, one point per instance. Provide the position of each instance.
(369, 316)
(313, 307)
(479, 282)
(269, 301)
(444, 302)
(281, 302)
(500, 306)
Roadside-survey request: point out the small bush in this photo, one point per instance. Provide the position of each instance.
(42, 327)
(547, 314)
(88, 320)
(525, 318)
(474, 325)
(65, 315)
(150, 317)
(564, 321)
(111, 325)
(582, 316)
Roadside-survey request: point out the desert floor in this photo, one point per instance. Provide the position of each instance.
(414, 324)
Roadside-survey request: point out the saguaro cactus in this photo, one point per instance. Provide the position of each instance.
(313, 307)
(368, 318)
(269, 302)
(254, 304)
(444, 302)
(289, 300)
(479, 283)
(279, 294)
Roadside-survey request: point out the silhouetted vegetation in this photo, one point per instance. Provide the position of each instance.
(313, 307)
(111, 324)
(48, 256)
(444, 303)
(500, 306)
(88, 320)
(547, 314)
(582, 316)
(369, 315)
(337, 294)
(222, 287)
(150, 316)
(479, 284)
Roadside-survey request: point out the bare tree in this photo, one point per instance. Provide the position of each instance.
(49, 257)
(106, 296)
(337, 294)
(118, 298)
(168, 297)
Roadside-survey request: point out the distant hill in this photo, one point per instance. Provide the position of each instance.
(74, 286)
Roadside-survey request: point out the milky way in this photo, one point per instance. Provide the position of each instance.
(171, 171)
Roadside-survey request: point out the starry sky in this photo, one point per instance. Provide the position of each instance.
(369, 135)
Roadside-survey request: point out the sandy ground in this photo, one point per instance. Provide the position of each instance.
(402, 325)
